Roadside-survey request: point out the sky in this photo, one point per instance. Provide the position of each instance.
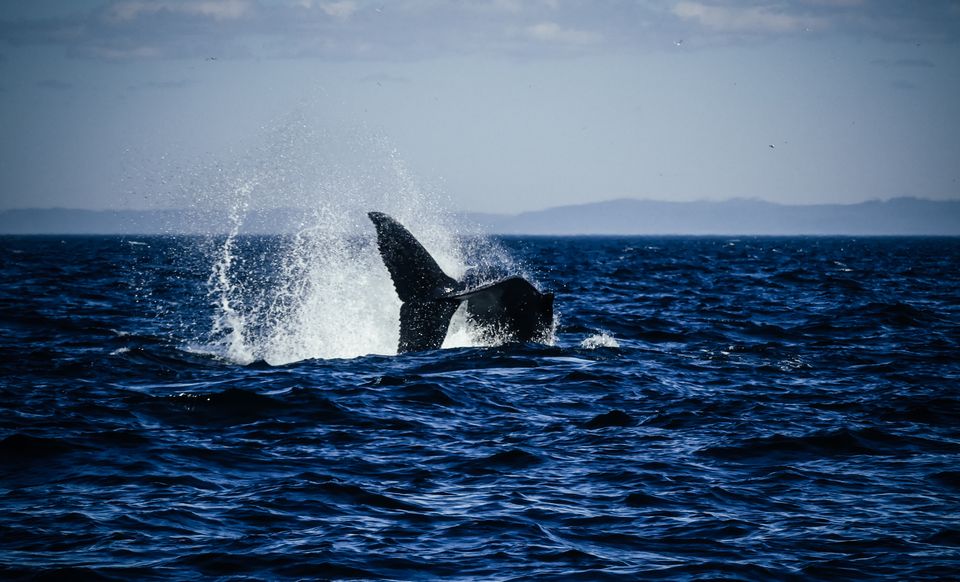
(500, 105)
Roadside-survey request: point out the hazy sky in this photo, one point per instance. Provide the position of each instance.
(502, 105)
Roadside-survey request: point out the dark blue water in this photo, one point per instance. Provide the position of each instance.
(761, 408)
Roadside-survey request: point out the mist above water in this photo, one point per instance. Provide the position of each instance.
(324, 291)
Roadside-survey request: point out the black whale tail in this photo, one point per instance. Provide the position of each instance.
(512, 308)
(421, 284)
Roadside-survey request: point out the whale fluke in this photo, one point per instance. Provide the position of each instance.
(512, 308)
(415, 274)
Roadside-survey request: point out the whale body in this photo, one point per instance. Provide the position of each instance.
(512, 307)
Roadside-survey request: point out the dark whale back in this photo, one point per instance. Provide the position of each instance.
(511, 308)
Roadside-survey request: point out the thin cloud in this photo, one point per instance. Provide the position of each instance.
(216, 9)
(173, 84)
(125, 53)
(384, 78)
(836, 3)
(339, 9)
(747, 19)
(54, 85)
(905, 63)
(914, 63)
(553, 32)
(419, 29)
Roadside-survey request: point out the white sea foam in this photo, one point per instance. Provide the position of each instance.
(599, 340)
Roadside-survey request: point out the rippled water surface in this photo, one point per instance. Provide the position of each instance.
(760, 408)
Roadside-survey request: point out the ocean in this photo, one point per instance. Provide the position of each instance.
(742, 408)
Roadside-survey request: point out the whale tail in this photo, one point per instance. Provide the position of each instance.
(421, 284)
(512, 307)
(415, 274)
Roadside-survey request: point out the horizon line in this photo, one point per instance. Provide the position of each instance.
(515, 213)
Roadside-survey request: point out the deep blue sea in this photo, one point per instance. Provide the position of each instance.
(710, 408)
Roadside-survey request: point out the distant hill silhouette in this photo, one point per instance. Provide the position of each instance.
(899, 216)
(73, 221)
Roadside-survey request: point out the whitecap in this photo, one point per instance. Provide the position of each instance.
(599, 340)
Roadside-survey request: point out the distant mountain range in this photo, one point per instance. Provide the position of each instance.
(899, 216)
(70, 221)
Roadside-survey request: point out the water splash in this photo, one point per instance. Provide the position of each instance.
(332, 298)
(228, 328)
(323, 292)
(599, 340)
